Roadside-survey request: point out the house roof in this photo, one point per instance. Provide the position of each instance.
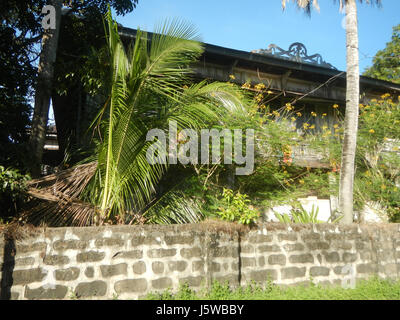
(269, 64)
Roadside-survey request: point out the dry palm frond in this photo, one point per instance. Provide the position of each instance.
(70, 182)
(55, 198)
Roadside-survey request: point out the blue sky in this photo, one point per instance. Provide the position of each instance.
(256, 24)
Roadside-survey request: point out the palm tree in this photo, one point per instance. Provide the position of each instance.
(352, 102)
(149, 87)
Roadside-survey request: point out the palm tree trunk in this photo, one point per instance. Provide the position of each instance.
(351, 118)
(43, 89)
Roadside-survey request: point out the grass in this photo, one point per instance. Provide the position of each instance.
(372, 289)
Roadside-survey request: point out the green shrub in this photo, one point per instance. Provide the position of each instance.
(301, 215)
(236, 207)
(12, 191)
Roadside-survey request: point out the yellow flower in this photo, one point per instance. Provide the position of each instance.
(246, 85)
(301, 181)
(263, 106)
(276, 113)
(372, 131)
(385, 138)
(324, 128)
(298, 114)
(313, 114)
(270, 92)
(374, 101)
(259, 97)
(259, 86)
(293, 119)
(335, 106)
(232, 77)
(289, 106)
(386, 95)
(324, 115)
(305, 126)
(336, 126)
(312, 127)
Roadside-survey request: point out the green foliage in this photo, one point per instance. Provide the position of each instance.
(12, 191)
(301, 215)
(236, 207)
(386, 62)
(371, 289)
(378, 157)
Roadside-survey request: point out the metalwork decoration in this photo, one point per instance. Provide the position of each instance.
(297, 52)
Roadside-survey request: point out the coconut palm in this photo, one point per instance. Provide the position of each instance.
(150, 85)
(352, 101)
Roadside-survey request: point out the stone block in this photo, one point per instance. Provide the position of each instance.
(293, 247)
(277, 259)
(198, 266)
(113, 270)
(90, 256)
(91, 289)
(331, 257)
(179, 266)
(139, 267)
(248, 262)
(161, 253)
(319, 271)
(157, 267)
(311, 237)
(319, 245)
(162, 283)
(370, 268)
(67, 274)
(192, 281)
(268, 248)
(23, 277)
(60, 245)
(130, 286)
(25, 248)
(287, 236)
(349, 257)
(293, 272)
(46, 293)
(109, 242)
(55, 260)
(301, 258)
(89, 272)
(263, 275)
(133, 254)
(187, 253)
(179, 239)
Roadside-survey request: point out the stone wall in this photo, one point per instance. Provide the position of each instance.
(129, 261)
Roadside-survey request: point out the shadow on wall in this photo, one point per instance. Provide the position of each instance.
(7, 268)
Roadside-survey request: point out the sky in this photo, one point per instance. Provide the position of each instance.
(256, 24)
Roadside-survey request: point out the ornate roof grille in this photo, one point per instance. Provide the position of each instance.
(296, 52)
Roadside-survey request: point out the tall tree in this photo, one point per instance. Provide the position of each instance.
(44, 85)
(20, 30)
(45, 77)
(352, 101)
(386, 63)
